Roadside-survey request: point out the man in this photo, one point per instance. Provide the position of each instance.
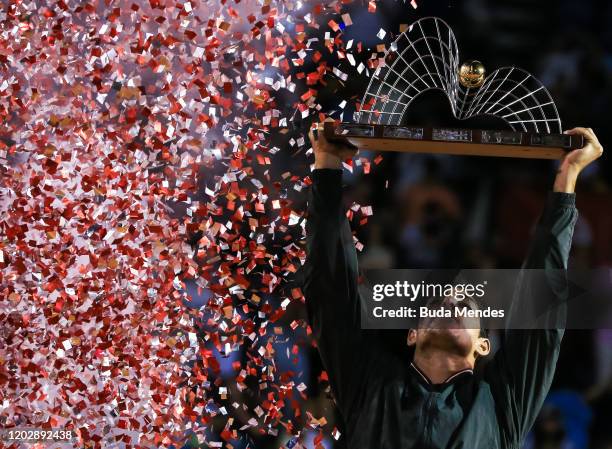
(438, 399)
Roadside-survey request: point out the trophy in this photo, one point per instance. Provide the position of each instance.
(426, 57)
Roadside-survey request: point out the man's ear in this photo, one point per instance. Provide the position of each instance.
(483, 347)
(412, 337)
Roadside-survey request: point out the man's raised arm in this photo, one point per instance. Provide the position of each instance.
(523, 368)
(330, 276)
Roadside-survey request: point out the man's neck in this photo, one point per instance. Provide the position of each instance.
(438, 366)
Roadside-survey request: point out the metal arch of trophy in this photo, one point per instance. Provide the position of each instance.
(426, 57)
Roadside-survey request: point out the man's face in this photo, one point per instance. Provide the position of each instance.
(456, 335)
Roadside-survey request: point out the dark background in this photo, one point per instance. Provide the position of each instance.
(452, 211)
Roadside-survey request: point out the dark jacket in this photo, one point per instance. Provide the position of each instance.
(384, 401)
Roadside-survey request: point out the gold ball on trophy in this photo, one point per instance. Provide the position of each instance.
(472, 73)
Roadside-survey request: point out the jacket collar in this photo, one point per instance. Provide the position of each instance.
(426, 379)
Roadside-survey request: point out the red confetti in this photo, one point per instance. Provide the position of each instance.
(145, 240)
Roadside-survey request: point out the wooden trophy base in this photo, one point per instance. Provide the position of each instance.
(466, 142)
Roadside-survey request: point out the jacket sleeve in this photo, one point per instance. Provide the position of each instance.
(330, 288)
(523, 369)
